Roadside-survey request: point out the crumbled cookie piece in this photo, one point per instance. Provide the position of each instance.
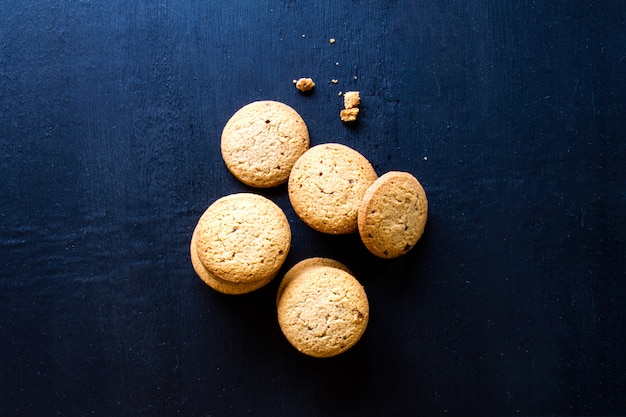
(349, 115)
(332, 40)
(351, 99)
(334, 81)
(305, 84)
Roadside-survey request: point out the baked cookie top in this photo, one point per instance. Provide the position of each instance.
(326, 186)
(225, 287)
(243, 238)
(323, 311)
(262, 141)
(393, 214)
(295, 270)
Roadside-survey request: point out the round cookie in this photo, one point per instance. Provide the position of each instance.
(243, 238)
(216, 283)
(326, 186)
(262, 141)
(393, 214)
(295, 271)
(323, 312)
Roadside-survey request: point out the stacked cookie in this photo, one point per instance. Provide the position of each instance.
(322, 308)
(242, 240)
(240, 243)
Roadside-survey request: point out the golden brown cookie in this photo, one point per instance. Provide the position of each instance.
(243, 238)
(295, 270)
(326, 186)
(216, 283)
(261, 142)
(323, 311)
(393, 214)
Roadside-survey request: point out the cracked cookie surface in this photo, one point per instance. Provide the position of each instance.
(326, 186)
(243, 238)
(323, 311)
(262, 141)
(393, 214)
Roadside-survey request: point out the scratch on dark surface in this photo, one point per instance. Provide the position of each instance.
(542, 99)
(436, 77)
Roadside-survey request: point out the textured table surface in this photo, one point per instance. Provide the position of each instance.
(511, 114)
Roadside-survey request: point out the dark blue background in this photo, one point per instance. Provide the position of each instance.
(511, 113)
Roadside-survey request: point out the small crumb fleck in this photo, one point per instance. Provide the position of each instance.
(337, 63)
(303, 35)
(334, 81)
(425, 158)
(349, 115)
(294, 81)
(340, 94)
(332, 40)
(305, 84)
(351, 99)
(355, 77)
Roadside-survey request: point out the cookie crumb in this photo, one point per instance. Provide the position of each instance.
(349, 115)
(334, 81)
(351, 99)
(340, 94)
(305, 84)
(332, 40)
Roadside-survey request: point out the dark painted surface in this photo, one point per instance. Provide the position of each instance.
(510, 113)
